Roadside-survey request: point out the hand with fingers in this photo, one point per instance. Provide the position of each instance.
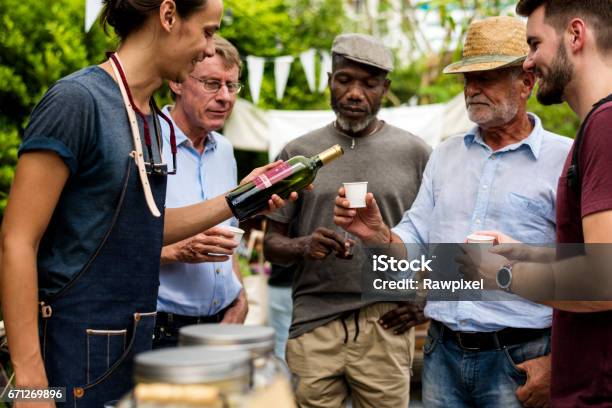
(405, 316)
(237, 311)
(322, 242)
(514, 250)
(536, 391)
(366, 223)
(213, 245)
(31, 376)
(500, 237)
(476, 264)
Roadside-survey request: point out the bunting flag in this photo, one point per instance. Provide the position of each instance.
(255, 65)
(92, 10)
(326, 66)
(282, 66)
(307, 58)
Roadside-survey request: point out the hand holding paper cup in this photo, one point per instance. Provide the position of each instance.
(356, 193)
(238, 233)
(480, 239)
(237, 236)
(485, 242)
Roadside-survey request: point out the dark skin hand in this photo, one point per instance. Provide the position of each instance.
(404, 317)
(323, 242)
(280, 249)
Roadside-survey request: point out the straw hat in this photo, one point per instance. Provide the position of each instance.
(492, 43)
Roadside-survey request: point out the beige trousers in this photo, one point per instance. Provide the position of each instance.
(373, 367)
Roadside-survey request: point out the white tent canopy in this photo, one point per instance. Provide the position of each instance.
(250, 128)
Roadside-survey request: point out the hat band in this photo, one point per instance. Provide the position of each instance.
(491, 58)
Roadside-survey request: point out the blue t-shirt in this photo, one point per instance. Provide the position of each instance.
(82, 118)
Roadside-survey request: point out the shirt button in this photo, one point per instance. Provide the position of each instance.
(484, 187)
(478, 221)
(218, 270)
(216, 302)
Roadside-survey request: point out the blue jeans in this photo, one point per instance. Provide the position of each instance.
(280, 308)
(454, 377)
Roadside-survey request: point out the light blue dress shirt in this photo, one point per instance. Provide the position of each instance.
(467, 187)
(206, 288)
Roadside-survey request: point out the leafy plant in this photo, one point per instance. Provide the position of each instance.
(39, 43)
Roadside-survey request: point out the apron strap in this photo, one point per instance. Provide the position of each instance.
(137, 153)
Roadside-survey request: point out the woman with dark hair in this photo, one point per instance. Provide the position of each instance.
(83, 230)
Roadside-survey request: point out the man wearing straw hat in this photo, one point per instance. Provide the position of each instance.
(502, 174)
(571, 54)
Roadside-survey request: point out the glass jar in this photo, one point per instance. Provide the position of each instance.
(257, 340)
(220, 377)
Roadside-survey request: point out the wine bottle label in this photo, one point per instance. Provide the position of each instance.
(273, 175)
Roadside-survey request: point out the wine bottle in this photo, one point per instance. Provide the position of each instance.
(292, 175)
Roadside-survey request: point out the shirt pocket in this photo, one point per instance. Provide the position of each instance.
(532, 218)
(530, 205)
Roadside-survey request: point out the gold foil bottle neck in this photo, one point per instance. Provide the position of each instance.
(331, 154)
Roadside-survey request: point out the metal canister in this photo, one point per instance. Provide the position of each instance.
(227, 371)
(257, 340)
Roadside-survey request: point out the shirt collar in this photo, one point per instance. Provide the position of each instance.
(533, 142)
(181, 138)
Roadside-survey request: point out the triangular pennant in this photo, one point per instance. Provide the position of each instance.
(307, 58)
(255, 65)
(92, 10)
(326, 66)
(282, 66)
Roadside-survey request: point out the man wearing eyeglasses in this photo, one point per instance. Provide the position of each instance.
(199, 277)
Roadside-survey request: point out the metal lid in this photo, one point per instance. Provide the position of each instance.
(258, 340)
(191, 365)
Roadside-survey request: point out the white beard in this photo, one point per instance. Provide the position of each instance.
(354, 126)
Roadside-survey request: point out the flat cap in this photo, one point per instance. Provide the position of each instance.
(364, 49)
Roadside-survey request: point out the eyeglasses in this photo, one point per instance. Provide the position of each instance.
(213, 86)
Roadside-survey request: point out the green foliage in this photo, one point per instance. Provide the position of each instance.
(244, 266)
(40, 42)
(274, 28)
(9, 141)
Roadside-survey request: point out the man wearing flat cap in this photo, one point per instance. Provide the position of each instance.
(338, 345)
(501, 175)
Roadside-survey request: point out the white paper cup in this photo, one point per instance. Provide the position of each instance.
(238, 233)
(480, 239)
(356, 193)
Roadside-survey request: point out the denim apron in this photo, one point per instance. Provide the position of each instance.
(92, 328)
